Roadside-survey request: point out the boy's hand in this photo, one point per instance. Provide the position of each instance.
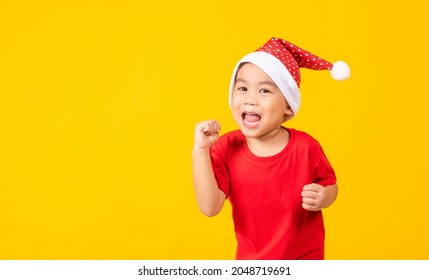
(206, 134)
(315, 197)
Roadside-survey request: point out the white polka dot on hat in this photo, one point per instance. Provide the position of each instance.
(282, 61)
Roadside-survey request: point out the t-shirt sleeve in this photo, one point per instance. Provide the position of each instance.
(218, 159)
(324, 174)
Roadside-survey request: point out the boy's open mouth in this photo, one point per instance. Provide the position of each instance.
(250, 120)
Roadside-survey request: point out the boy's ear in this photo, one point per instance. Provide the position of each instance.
(288, 111)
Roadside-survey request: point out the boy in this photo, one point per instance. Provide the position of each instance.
(277, 179)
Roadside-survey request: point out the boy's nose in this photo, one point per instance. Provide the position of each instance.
(250, 99)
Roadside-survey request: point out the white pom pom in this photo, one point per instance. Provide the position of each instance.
(340, 71)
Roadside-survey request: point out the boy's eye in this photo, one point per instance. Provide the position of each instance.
(264, 91)
(242, 89)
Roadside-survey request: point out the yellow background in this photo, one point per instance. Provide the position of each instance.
(98, 101)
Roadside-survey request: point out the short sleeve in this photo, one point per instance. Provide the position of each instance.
(324, 174)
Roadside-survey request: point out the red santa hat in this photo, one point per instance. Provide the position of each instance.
(282, 61)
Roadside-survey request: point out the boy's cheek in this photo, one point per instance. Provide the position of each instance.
(236, 115)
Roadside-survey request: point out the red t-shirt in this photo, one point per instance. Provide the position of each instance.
(265, 194)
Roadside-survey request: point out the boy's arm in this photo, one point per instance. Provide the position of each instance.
(210, 198)
(315, 196)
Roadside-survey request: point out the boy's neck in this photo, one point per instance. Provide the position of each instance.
(269, 144)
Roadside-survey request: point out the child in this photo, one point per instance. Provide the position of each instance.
(277, 179)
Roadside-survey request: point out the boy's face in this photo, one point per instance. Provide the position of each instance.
(258, 106)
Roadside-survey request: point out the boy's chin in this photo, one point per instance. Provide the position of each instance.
(249, 132)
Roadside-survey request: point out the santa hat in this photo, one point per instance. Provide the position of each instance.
(282, 61)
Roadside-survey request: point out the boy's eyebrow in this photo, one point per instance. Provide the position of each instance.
(266, 82)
